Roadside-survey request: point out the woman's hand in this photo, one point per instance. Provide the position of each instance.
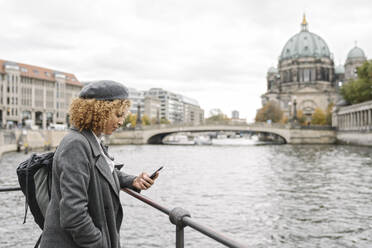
(143, 181)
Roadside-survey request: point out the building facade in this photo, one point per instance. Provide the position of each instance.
(152, 108)
(306, 77)
(34, 93)
(192, 113)
(177, 108)
(235, 114)
(137, 99)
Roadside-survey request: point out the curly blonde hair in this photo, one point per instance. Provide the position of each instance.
(92, 114)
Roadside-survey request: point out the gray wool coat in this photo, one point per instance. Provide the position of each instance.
(84, 210)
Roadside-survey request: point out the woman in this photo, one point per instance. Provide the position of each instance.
(85, 209)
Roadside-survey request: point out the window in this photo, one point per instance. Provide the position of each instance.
(306, 75)
(313, 75)
(300, 75)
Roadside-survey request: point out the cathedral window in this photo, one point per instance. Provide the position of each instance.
(313, 74)
(306, 75)
(326, 75)
(285, 76)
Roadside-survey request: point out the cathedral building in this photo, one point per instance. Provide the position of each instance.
(306, 77)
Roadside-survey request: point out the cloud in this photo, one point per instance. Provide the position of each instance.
(215, 51)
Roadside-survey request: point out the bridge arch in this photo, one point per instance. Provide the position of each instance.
(155, 136)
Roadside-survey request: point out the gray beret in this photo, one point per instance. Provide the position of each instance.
(104, 90)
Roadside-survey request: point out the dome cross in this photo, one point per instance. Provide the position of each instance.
(304, 24)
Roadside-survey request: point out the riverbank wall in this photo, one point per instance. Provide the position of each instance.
(32, 140)
(354, 138)
(353, 124)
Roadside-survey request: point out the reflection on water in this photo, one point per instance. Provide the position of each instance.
(265, 196)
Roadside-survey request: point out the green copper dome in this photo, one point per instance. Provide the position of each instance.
(356, 52)
(305, 44)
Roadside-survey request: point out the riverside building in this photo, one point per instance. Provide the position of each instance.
(306, 77)
(137, 99)
(162, 104)
(29, 92)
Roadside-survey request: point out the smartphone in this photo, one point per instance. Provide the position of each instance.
(154, 174)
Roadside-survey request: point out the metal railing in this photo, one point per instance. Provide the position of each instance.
(9, 189)
(180, 217)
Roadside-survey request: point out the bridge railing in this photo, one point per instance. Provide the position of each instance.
(232, 124)
(180, 217)
(179, 125)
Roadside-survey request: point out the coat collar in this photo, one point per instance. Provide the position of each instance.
(91, 139)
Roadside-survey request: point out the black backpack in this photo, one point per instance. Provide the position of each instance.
(35, 179)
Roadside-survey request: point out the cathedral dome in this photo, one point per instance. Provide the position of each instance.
(305, 44)
(356, 52)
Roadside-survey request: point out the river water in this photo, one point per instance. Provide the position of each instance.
(261, 195)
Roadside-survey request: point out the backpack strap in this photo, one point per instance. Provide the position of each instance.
(26, 202)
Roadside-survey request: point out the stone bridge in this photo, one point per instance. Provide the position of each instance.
(291, 134)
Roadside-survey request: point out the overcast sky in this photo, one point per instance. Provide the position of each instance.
(216, 52)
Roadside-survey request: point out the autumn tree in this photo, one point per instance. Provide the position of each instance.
(146, 120)
(216, 115)
(359, 90)
(300, 117)
(271, 111)
(318, 117)
(130, 120)
(284, 119)
(164, 121)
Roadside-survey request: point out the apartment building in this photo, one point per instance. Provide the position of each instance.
(177, 108)
(29, 92)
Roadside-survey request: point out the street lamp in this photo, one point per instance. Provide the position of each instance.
(294, 109)
(139, 121)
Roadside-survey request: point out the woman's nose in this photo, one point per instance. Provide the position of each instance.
(121, 121)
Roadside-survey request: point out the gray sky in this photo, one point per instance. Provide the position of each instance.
(216, 52)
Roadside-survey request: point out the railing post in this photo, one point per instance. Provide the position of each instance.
(176, 216)
(179, 237)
